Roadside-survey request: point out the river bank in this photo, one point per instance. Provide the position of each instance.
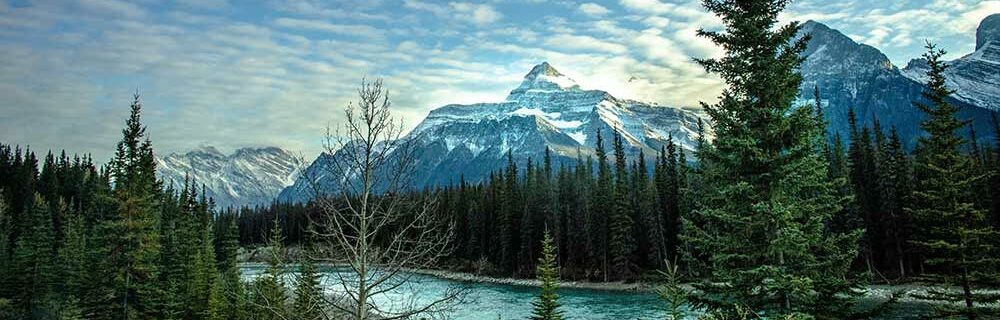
(511, 298)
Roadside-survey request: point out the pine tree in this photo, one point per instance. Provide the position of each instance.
(230, 283)
(671, 200)
(6, 259)
(546, 307)
(72, 258)
(601, 208)
(528, 208)
(99, 299)
(672, 293)
(646, 213)
(216, 309)
(953, 233)
(269, 299)
(35, 259)
(697, 261)
(572, 191)
(69, 309)
(893, 185)
(767, 197)
(308, 293)
(206, 272)
(508, 222)
(136, 244)
(621, 245)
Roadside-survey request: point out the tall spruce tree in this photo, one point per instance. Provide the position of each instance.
(72, 258)
(767, 198)
(601, 208)
(136, 245)
(231, 283)
(894, 188)
(6, 260)
(645, 218)
(620, 242)
(546, 307)
(671, 200)
(509, 211)
(269, 299)
(308, 292)
(35, 260)
(953, 234)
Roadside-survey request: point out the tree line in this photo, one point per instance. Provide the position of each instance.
(771, 218)
(82, 242)
(772, 215)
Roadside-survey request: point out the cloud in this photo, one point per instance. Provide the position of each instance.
(319, 25)
(479, 14)
(593, 9)
(205, 4)
(583, 43)
(114, 8)
(277, 74)
(649, 6)
(343, 9)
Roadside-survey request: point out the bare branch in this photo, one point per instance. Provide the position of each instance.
(372, 222)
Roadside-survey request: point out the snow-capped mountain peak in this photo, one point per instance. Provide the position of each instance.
(976, 76)
(548, 110)
(543, 78)
(852, 76)
(249, 176)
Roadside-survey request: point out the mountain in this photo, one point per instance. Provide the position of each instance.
(547, 110)
(550, 110)
(852, 75)
(976, 76)
(248, 176)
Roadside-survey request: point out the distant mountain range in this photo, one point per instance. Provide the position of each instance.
(852, 75)
(247, 177)
(549, 110)
(976, 76)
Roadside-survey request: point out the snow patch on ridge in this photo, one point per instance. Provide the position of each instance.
(552, 118)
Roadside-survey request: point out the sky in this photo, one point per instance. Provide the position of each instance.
(231, 74)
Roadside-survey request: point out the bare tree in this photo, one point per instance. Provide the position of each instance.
(372, 222)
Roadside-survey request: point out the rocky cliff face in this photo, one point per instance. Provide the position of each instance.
(247, 177)
(855, 76)
(976, 76)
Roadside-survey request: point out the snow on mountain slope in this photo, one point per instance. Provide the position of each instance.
(557, 102)
(547, 110)
(248, 176)
(976, 76)
(850, 75)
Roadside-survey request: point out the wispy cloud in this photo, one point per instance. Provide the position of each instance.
(230, 74)
(320, 25)
(479, 14)
(593, 9)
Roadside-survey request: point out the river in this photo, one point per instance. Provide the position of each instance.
(505, 301)
(492, 300)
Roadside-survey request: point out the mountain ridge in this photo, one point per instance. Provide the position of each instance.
(248, 176)
(851, 75)
(975, 77)
(548, 110)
